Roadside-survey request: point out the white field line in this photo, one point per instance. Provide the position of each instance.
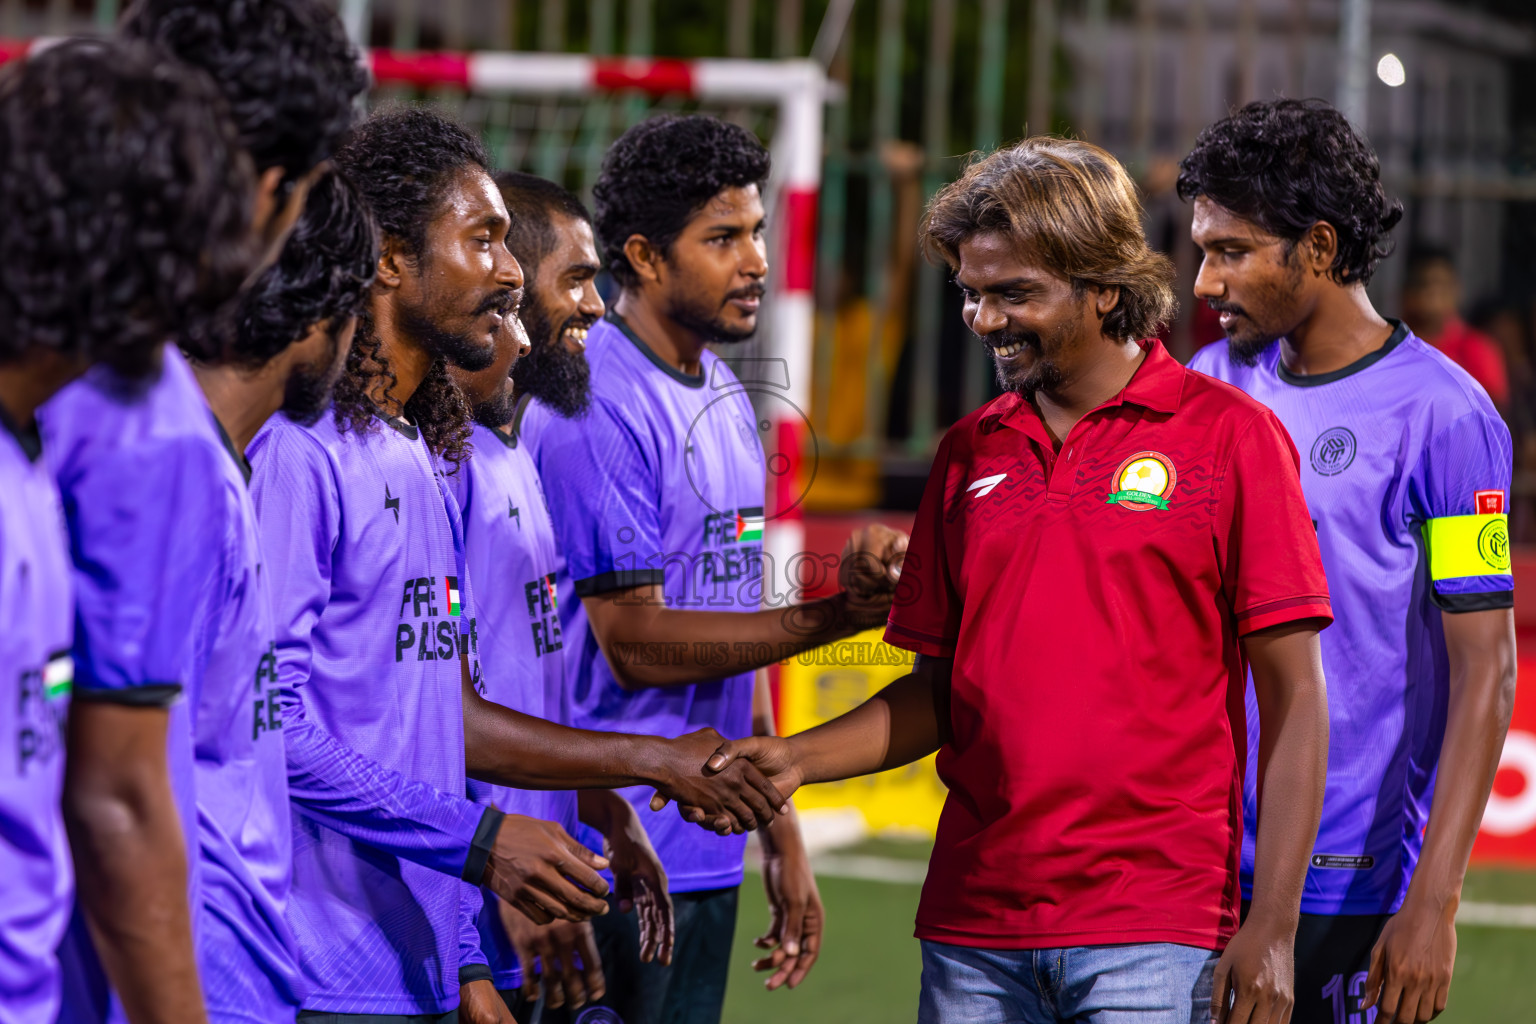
(911, 872)
(1497, 915)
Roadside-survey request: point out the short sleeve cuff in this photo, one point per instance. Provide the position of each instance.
(480, 845)
(150, 695)
(475, 972)
(1278, 613)
(918, 642)
(1484, 602)
(619, 579)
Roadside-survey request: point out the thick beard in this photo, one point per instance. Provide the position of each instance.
(466, 351)
(308, 391)
(557, 377)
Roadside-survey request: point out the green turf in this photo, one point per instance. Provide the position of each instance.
(868, 973)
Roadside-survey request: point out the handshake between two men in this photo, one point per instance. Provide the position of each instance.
(536, 866)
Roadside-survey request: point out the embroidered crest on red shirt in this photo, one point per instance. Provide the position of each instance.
(1143, 481)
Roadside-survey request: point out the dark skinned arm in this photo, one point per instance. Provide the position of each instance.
(508, 748)
(1255, 972)
(1411, 964)
(907, 720)
(635, 628)
(130, 859)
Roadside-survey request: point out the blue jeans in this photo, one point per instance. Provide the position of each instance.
(1155, 983)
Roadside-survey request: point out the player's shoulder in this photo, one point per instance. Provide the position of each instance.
(1214, 360)
(102, 418)
(281, 446)
(1443, 390)
(613, 359)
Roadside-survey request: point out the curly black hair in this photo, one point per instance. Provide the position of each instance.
(660, 173)
(127, 203)
(532, 203)
(323, 274)
(1285, 165)
(285, 67)
(401, 161)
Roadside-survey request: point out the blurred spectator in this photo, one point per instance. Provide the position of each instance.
(1505, 320)
(1431, 300)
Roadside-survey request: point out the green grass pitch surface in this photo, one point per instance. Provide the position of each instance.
(868, 971)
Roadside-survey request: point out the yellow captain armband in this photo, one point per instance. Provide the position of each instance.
(1467, 546)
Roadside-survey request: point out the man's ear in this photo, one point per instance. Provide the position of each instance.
(1106, 298)
(645, 260)
(392, 262)
(1319, 247)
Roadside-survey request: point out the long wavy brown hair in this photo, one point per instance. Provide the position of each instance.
(1070, 205)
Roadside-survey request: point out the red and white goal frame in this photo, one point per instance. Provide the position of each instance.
(796, 88)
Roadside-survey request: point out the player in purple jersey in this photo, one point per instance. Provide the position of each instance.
(294, 329)
(126, 190)
(511, 556)
(137, 473)
(380, 717)
(1407, 471)
(658, 499)
(551, 237)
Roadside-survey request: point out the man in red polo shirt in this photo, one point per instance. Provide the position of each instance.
(1100, 555)
(1431, 300)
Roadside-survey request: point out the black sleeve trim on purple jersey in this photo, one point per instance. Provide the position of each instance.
(1485, 602)
(475, 972)
(619, 579)
(154, 695)
(480, 846)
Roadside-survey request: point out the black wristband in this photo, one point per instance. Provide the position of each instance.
(480, 846)
(475, 972)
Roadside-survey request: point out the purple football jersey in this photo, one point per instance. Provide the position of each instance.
(511, 559)
(36, 876)
(661, 482)
(363, 566)
(172, 601)
(1406, 470)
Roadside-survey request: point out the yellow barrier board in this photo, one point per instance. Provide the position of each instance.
(821, 684)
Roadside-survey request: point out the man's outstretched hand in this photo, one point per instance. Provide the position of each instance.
(538, 868)
(735, 798)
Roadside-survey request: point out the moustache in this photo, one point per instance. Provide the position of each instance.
(499, 302)
(751, 291)
(1218, 306)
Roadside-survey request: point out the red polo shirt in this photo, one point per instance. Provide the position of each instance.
(1092, 600)
(1478, 354)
